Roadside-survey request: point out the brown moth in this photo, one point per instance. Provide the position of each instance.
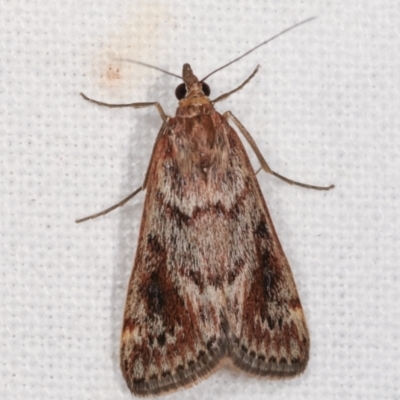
(210, 283)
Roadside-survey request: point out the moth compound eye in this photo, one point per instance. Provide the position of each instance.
(205, 88)
(180, 91)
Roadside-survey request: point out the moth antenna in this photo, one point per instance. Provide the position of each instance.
(147, 65)
(261, 44)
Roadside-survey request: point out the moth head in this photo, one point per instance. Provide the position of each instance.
(191, 87)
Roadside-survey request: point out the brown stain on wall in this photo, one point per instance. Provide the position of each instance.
(138, 37)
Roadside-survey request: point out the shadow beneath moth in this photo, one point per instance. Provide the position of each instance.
(210, 283)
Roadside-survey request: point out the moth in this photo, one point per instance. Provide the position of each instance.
(210, 284)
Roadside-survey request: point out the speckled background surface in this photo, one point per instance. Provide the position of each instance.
(324, 108)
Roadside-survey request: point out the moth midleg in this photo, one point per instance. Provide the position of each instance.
(134, 193)
(133, 105)
(261, 159)
(107, 210)
(226, 95)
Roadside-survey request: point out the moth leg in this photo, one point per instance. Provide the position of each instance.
(107, 210)
(226, 95)
(126, 199)
(262, 161)
(134, 105)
